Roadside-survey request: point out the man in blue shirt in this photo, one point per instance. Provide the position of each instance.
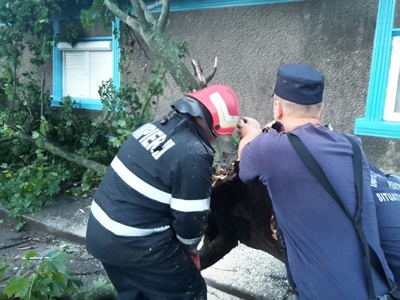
(324, 253)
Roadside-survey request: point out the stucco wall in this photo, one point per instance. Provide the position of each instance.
(334, 36)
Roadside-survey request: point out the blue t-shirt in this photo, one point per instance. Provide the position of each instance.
(386, 191)
(324, 253)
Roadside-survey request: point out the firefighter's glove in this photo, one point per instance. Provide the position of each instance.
(196, 259)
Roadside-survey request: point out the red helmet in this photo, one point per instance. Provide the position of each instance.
(223, 106)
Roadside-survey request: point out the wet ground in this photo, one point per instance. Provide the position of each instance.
(244, 273)
(14, 245)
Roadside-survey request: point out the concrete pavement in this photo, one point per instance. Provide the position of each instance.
(244, 273)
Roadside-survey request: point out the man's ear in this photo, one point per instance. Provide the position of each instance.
(278, 110)
(321, 111)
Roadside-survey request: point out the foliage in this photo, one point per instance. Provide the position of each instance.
(27, 28)
(30, 176)
(129, 107)
(30, 187)
(44, 277)
(71, 33)
(25, 186)
(100, 289)
(49, 278)
(3, 268)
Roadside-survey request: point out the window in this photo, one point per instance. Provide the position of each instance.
(85, 66)
(79, 71)
(392, 103)
(382, 115)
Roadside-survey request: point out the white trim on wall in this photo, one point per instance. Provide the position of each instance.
(86, 46)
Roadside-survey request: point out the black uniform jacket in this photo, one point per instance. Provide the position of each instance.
(153, 201)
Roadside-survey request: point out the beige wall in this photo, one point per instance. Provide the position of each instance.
(334, 36)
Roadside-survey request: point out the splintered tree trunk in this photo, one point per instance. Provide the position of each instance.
(239, 213)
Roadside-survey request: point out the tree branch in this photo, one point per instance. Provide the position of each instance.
(144, 15)
(124, 17)
(154, 5)
(82, 161)
(198, 72)
(163, 19)
(212, 74)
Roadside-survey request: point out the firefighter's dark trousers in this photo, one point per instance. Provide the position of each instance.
(176, 278)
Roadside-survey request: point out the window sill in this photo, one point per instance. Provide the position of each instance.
(378, 129)
(93, 104)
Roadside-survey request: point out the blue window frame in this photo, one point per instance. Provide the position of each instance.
(179, 5)
(374, 123)
(58, 71)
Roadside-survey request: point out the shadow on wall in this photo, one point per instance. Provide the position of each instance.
(383, 152)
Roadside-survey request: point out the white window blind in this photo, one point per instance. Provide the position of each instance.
(84, 70)
(100, 68)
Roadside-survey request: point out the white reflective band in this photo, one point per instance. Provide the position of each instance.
(121, 229)
(189, 241)
(138, 184)
(221, 107)
(190, 205)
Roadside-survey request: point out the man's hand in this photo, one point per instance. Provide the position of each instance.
(248, 126)
(248, 129)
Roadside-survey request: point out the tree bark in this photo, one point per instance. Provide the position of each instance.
(162, 47)
(87, 163)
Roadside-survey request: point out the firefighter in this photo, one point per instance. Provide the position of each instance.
(150, 210)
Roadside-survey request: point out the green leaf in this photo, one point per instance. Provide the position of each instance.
(100, 283)
(35, 135)
(3, 268)
(122, 123)
(30, 254)
(18, 286)
(75, 282)
(57, 261)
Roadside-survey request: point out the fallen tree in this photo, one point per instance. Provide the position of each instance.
(239, 213)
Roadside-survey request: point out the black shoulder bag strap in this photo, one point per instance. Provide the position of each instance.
(371, 258)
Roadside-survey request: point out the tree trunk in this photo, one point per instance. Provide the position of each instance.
(164, 50)
(163, 47)
(239, 213)
(79, 160)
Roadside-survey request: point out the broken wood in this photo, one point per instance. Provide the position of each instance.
(240, 213)
(199, 74)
